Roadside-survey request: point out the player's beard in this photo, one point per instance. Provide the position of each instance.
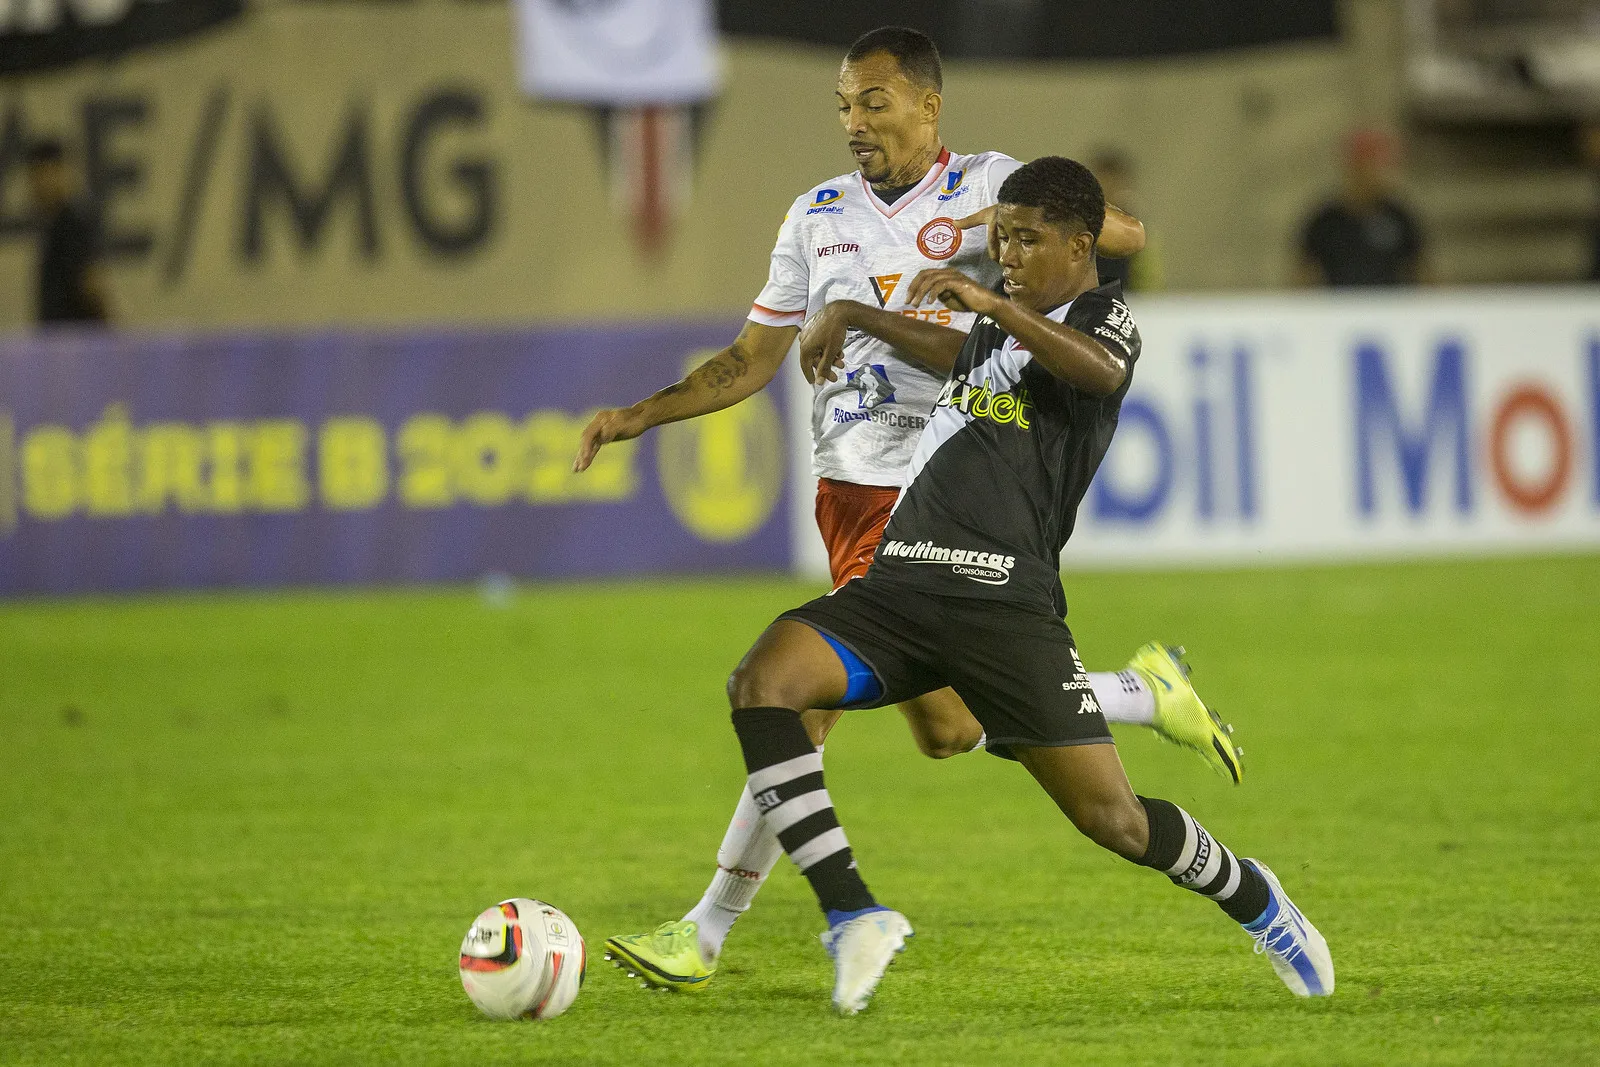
(875, 169)
(884, 172)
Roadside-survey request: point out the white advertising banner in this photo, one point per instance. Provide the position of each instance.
(1262, 429)
(620, 53)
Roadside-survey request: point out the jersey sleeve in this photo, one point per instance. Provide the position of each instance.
(1001, 167)
(1106, 319)
(783, 300)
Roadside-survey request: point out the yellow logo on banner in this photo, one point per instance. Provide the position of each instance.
(723, 473)
(115, 468)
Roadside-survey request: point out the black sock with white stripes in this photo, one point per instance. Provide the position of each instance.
(1181, 849)
(786, 781)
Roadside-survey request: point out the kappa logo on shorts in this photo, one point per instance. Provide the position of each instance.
(990, 568)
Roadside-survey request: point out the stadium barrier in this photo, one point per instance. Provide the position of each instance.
(1320, 426)
(169, 462)
(1258, 430)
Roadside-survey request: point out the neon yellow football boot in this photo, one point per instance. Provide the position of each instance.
(1181, 716)
(667, 958)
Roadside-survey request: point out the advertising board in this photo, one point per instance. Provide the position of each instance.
(170, 462)
(1322, 427)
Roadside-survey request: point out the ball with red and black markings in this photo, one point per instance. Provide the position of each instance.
(523, 959)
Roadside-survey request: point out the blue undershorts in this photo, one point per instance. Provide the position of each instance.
(863, 686)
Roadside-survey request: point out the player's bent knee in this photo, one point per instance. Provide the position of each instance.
(790, 666)
(939, 748)
(943, 744)
(941, 725)
(748, 687)
(1116, 826)
(763, 684)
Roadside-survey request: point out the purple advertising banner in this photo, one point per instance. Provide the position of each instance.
(156, 462)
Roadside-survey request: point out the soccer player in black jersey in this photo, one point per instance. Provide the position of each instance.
(965, 589)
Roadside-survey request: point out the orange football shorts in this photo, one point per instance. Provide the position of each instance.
(851, 518)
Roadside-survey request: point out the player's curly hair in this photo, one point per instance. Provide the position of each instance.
(1066, 190)
(916, 53)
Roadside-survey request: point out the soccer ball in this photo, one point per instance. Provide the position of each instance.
(522, 959)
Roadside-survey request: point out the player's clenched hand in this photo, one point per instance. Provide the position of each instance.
(822, 342)
(984, 218)
(951, 288)
(611, 424)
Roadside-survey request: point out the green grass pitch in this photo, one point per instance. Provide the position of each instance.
(254, 829)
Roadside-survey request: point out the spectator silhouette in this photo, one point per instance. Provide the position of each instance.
(1589, 150)
(1364, 235)
(1141, 271)
(70, 283)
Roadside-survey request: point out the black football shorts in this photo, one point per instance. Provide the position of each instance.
(1016, 668)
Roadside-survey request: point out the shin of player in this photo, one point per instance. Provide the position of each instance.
(790, 668)
(750, 848)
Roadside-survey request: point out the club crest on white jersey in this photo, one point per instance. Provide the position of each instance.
(840, 242)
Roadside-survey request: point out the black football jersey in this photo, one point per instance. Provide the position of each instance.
(993, 488)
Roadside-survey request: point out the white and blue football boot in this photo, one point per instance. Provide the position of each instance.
(862, 944)
(1298, 952)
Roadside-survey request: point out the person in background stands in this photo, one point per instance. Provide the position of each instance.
(70, 282)
(1140, 272)
(1364, 235)
(1589, 152)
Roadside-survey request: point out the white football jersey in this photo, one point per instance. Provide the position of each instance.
(840, 242)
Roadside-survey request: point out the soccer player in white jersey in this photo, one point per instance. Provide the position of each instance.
(910, 204)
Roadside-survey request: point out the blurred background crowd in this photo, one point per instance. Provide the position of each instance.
(220, 163)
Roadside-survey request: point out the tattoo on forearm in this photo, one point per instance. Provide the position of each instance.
(721, 371)
(715, 375)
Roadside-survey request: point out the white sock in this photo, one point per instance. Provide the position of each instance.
(749, 852)
(1124, 697)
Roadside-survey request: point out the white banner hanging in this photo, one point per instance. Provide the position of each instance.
(618, 53)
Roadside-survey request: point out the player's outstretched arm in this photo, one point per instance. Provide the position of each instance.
(738, 371)
(1121, 236)
(822, 340)
(1068, 354)
(1074, 357)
